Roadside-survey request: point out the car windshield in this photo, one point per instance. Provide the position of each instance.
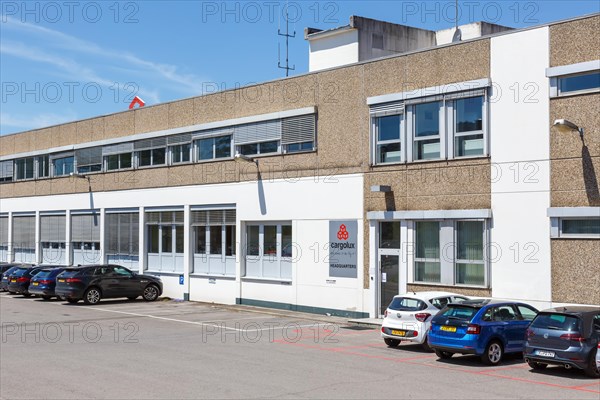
(68, 273)
(19, 271)
(406, 304)
(560, 322)
(459, 312)
(43, 273)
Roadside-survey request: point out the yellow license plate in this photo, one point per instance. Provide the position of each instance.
(61, 280)
(448, 328)
(13, 280)
(35, 283)
(398, 333)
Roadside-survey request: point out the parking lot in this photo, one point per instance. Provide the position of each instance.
(175, 350)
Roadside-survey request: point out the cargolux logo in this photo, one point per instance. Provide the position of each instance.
(342, 233)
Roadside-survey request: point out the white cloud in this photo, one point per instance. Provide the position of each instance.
(27, 122)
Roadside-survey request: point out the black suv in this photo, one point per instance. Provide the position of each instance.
(94, 282)
(20, 278)
(566, 336)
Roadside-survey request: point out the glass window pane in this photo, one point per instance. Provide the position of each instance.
(125, 160)
(427, 272)
(145, 158)
(470, 240)
(112, 162)
(158, 156)
(470, 274)
(29, 168)
(249, 149)
(270, 240)
(20, 169)
(205, 147)
(469, 114)
(589, 226)
(223, 147)
(427, 149)
(179, 239)
(295, 147)
(427, 119)
(389, 235)
(230, 240)
(216, 240)
(43, 166)
(268, 147)
(471, 145)
(252, 240)
(388, 153)
(167, 239)
(388, 128)
(200, 237)
(153, 239)
(428, 239)
(176, 154)
(580, 82)
(185, 152)
(286, 241)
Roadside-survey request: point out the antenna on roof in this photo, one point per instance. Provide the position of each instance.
(287, 44)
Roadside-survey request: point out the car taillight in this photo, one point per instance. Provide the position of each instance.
(576, 337)
(73, 280)
(22, 279)
(422, 317)
(382, 329)
(45, 282)
(473, 329)
(385, 313)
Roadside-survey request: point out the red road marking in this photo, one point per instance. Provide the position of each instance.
(582, 386)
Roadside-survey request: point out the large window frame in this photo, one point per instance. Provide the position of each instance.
(271, 256)
(262, 148)
(563, 80)
(212, 140)
(42, 168)
(418, 142)
(563, 232)
(63, 166)
(24, 169)
(380, 144)
(170, 231)
(119, 158)
(458, 135)
(178, 154)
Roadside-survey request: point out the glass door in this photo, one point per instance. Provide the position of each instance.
(389, 263)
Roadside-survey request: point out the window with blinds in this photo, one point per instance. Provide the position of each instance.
(164, 217)
(24, 232)
(89, 159)
(122, 234)
(6, 171)
(214, 241)
(213, 217)
(298, 133)
(85, 228)
(52, 228)
(3, 231)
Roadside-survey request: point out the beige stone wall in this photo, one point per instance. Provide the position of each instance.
(575, 271)
(574, 42)
(466, 291)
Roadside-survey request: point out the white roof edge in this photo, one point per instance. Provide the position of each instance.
(168, 132)
(558, 212)
(573, 68)
(330, 32)
(431, 91)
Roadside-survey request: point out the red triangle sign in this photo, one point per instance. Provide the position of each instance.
(138, 101)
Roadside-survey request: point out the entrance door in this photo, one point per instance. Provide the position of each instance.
(389, 266)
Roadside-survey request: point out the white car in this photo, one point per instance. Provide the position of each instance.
(408, 317)
(598, 357)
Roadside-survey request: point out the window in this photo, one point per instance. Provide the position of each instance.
(151, 157)
(470, 267)
(122, 238)
(449, 252)
(85, 238)
(527, 313)
(426, 130)
(251, 149)
(584, 227)
(579, 83)
(388, 145)
(298, 133)
(389, 235)
(118, 161)
(89, 160)
(468, 127)
(407, 304)
(24, 168)
(53, 238)
(269, 251)
(214, 241)
(6, 171)
(299, 147)
(63, 166)
(165, 237)
(43, 166)
(214, 148)
(427, 247)
(181, 153)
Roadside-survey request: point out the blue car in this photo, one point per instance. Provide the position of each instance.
(44, 282)
(486, 328)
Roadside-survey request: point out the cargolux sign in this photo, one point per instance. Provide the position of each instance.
(343, 249)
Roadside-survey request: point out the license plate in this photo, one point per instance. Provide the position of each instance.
(448, 328)
(398, 333)
(545, 353)
(35, 283)
(13, 280)
(61, 280)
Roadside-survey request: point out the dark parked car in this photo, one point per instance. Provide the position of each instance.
(44, 282)
(485, 328)
(566, 336)
(94, 282)
(20, 278)
(5, 270)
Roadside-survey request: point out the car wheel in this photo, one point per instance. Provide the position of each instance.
(492, 354)
(391, 342)
(26, 294)
(73, 301)
(443, 354)
(46, 297)
(150, 293)
(592, 369)
(536, 365)
(92, 296)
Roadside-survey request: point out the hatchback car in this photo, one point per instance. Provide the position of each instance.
(566, 336)
(94, 282)
(408, 316)
(20, 279)
(5, 271)
(485, 328)
(44, 282)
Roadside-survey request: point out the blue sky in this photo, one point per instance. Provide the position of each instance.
(62, 61)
